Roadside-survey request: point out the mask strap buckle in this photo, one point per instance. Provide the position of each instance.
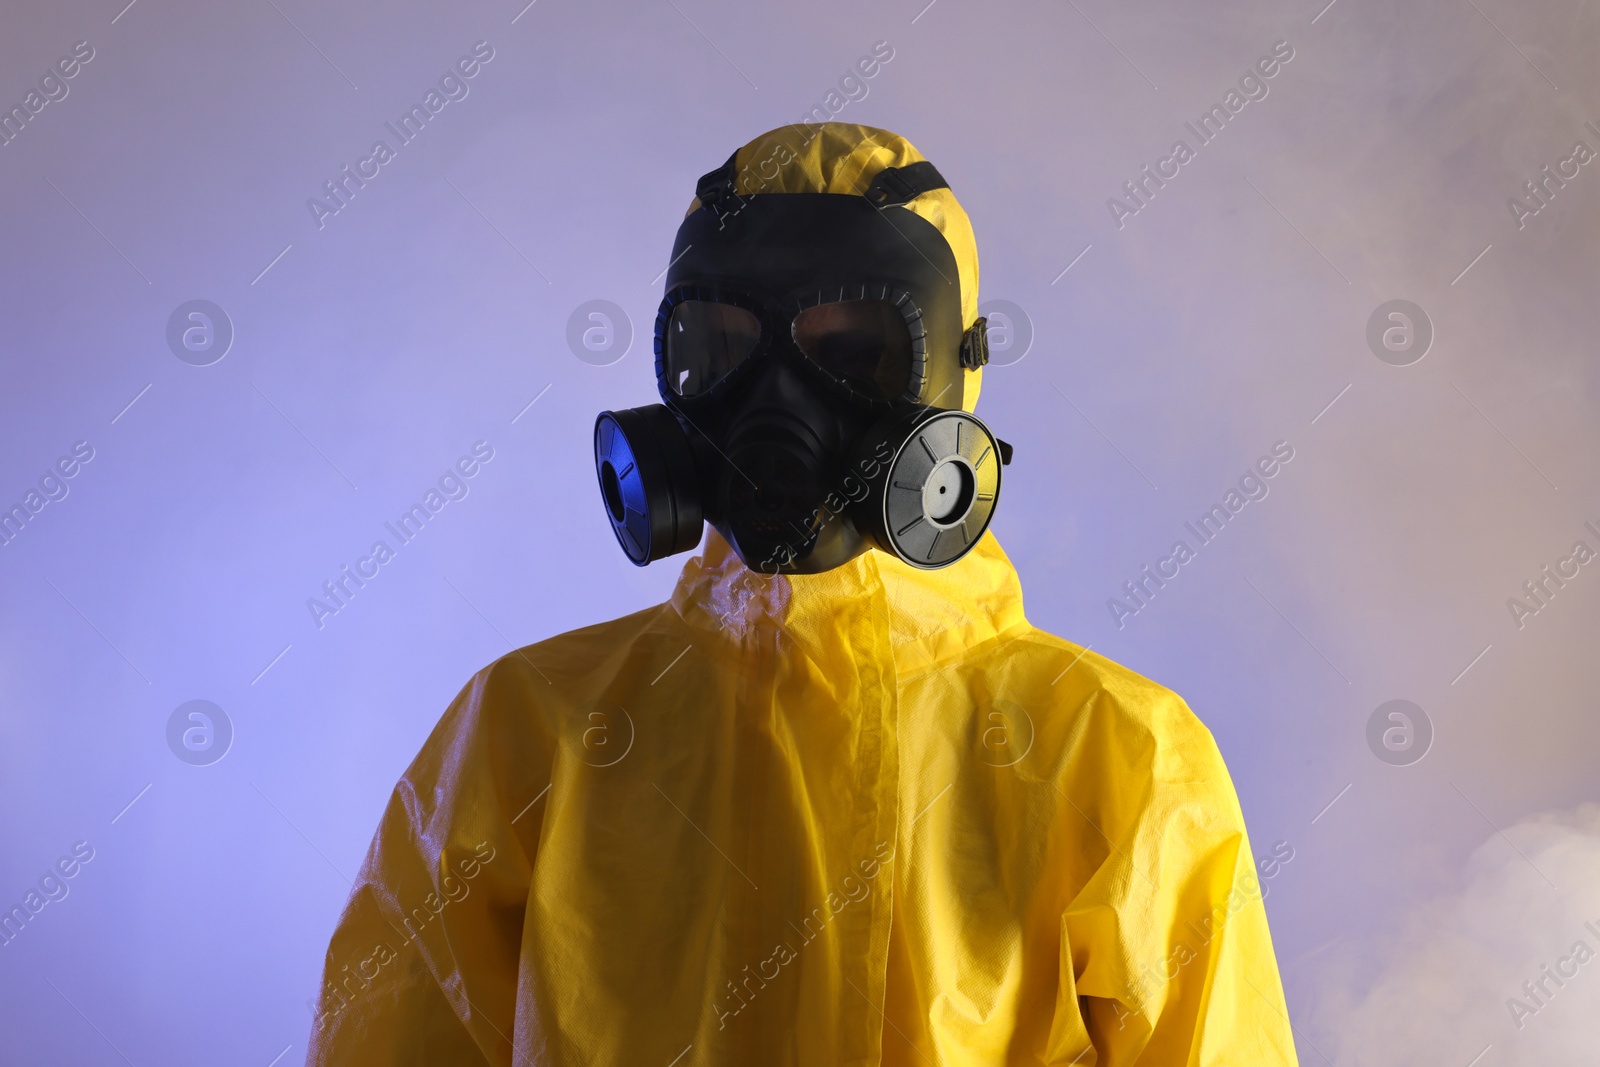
(975, 345)
(715, 189)
(898, 186)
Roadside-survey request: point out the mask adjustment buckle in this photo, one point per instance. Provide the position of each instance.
(898, 186)
(715, 189)
(975, 345)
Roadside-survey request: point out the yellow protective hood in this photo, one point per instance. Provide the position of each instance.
(841, 157)
(865, 817)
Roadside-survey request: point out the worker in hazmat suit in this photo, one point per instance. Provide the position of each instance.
(836, 802)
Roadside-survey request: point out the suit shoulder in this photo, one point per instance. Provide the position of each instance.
(577, 653)
(1083, 672)
(1147, 721)
(504, 725)
(530, 688)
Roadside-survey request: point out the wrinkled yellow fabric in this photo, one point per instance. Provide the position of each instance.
(863, 817)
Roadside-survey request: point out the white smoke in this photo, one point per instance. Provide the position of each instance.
(1445, 990)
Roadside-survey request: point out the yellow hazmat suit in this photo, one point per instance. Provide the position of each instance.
(869, 816)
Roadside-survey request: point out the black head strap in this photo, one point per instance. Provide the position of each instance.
(891, 187)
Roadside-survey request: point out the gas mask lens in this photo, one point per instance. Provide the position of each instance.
(705, 341)
(863, 343)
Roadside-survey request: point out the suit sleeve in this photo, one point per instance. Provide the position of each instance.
(423, 965)
(1166, 955)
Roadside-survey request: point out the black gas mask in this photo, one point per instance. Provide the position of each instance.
(810, 357)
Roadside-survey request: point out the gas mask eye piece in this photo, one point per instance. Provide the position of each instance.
(703, 341)
(936, 495)
(647, 479)
(866, 344)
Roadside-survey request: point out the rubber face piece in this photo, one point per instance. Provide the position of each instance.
(780, 441)
(788, 252)
(939, 491)
(647, 480)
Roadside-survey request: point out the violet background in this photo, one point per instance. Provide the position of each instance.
(428, 313)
